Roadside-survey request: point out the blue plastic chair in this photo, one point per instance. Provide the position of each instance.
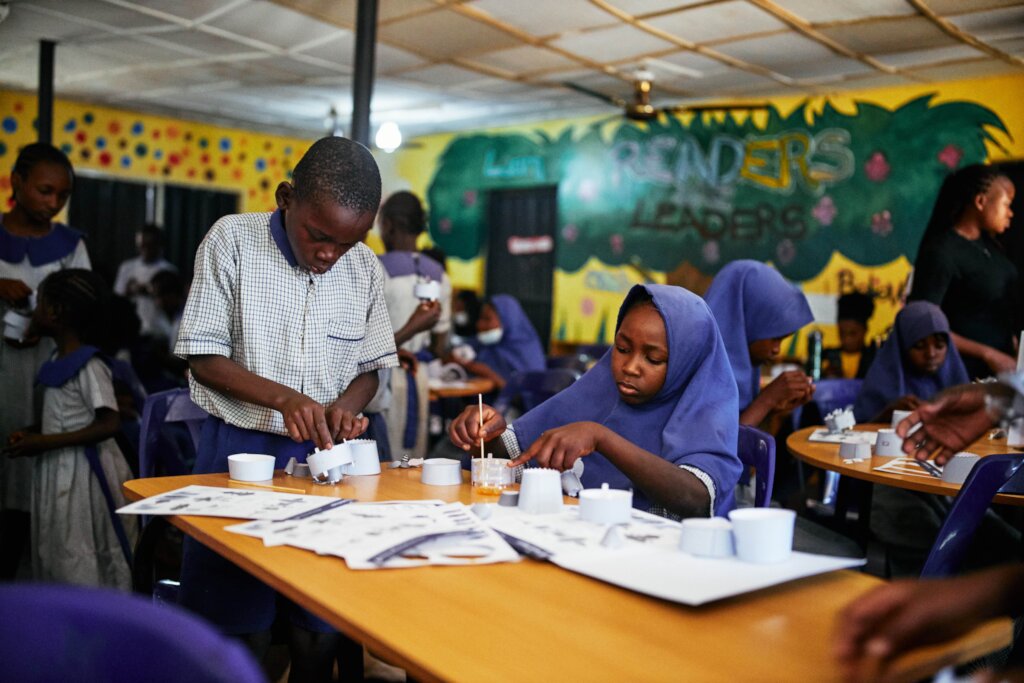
(830, 394)
(533, 388)
(757, 449)
(991, 474)
(161, 448)
(51, 633)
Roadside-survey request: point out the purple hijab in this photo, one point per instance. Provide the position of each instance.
(520, 349)
(752, 301)
(691, 421)
(891, 375)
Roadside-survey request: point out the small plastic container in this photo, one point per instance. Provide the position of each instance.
(251, 467)
(490, 476)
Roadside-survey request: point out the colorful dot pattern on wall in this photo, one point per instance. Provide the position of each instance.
(135, 146)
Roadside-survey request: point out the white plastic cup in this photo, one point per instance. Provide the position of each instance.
(427, 291)
(365, 459)
(763, 535)
(855, 451)
(888, 445)
(606, 505)
(959, 466)
(706, 537)
(491, 472)
(251, 467)
(441, 472)
(16, 325)
(541, 491)
(899, 416)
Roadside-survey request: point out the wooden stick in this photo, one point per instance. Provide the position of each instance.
(480, 407)
(232, 482)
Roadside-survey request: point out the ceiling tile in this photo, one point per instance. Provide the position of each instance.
(343, 12)
(1012, 46)
(463, 37)
(960, 6)
(686, 61)
(185, 9)
(546, 18)
(889, 35)
(612, 44)
(25, 25)
(731, 80)
(916, 58)
(715, 22)
(204, 43)
(993, 25)
(525, 59)
(877, 80)
(975, 69)
(269, 23)
(816, 11)
(792, 55)
(341, 50)
(130, 50)
(88, 12)
(645, 8)
(444, 75)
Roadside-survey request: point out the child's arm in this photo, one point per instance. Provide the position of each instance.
(304, 418)
(676, 489)
(482, 370)
(105, 426)
(465, 431)
(342, 415)
(787, 391)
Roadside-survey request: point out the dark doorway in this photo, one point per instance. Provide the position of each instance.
(1013, 239)
(188, 214)
(521, 250)
(109, 212)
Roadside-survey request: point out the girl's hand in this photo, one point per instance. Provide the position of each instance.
(999, 361)
(22, 444)
(14, 292)
(344, 424)
(559, 448)
(465, 432)
(789, 390)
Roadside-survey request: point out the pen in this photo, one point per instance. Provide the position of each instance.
(930, 468)
(285, 489)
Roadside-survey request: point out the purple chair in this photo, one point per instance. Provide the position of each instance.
(533, 388)
(161, 449)
(990, 475)
(757, 449)
(51, 633)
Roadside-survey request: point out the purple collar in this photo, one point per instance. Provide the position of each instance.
(57, 372)
(53, 246)
(277, 231)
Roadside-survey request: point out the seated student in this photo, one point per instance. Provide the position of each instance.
(284, 332)
(756, 309)
(506, 342)
(465, 312)
(653, 415)
(852, 358)
(915, 363)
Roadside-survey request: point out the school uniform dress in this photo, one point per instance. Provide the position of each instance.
(251, 302)
(29, 259)
(76, 535)
(408, 403)
(520, 348)
(142, 272)
(977, 286)
(691, 422)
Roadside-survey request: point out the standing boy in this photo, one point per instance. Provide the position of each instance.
(284, 331)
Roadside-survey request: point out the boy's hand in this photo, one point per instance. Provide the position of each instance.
(21, 444)
(14, 292)
(306, 420)
(344, 424)
(559, 448)
(949, 423)
(464, 430)
(425, 316)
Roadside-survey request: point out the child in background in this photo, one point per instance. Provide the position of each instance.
(284, 332)
(135, 276)
(31, 247)
(756, 309)
(506, 342)
(78, 469)
(852, 358)
(653, 415)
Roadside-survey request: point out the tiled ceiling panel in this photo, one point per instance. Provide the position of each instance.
(88, 13)
(462, 36)
(937, 56)
(793, 56)
(960, 6)
(545, 18)
(994, 24)
(711, 23)
(816, 11)
(186, 9)
(952, 72)
(524, 59)
(647, 8)
(443, 75)
(269, 23)
(612, 44)
(890, 35)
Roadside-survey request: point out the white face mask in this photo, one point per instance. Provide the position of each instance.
(461, 318)
(490, 337)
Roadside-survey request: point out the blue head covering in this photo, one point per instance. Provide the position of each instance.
(891, 375)
(752, 301)
(520, 349)
(691, 421)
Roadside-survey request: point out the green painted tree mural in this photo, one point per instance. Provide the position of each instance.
(709, 192)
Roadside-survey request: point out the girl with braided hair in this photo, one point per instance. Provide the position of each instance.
(962, 268)
(78, 470)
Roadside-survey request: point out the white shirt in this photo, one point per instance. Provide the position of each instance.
(141, 273)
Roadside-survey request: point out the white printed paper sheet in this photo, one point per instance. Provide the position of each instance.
(823, 436)
(905, 466)
(217, 501)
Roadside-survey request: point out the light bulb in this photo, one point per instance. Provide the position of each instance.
(388, 137)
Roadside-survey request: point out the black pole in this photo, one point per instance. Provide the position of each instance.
(44, 117)
(362, 84)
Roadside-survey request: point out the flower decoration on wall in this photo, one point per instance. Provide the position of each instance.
(711, 252)
(877, 167)
(824, 211)
(570, 232)
(881, 223)
(616, 243)
(785, 252)
(950, 156)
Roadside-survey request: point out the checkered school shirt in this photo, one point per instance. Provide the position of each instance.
(252, 303)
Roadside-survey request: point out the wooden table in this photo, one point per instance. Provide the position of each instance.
(826, 456)
(462, 389)
(533, 621)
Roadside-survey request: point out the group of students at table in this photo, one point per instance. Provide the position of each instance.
(286, 331)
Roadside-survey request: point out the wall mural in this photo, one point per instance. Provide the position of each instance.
(791, 191)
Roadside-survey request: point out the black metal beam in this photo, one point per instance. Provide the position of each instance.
(44, 115)
(362, 83)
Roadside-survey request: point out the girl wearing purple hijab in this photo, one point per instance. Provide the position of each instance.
(915, 363)
(507, 343)
(756, 309)
(652, 415)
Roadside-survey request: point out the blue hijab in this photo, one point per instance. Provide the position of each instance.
(752, 301)
(691, 421)
(520, 349)
(891, 375)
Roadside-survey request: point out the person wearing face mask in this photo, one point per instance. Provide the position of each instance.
(962, 268)
(506, 342)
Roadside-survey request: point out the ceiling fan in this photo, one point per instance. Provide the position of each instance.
(639, 107)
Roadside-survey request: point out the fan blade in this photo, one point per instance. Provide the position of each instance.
(728, 106)
(593, 93)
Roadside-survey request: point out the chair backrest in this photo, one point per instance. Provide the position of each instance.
(757, 449)
(533, 388)
(156, 446)
(989, 475)
(70, 633)
(830, 394)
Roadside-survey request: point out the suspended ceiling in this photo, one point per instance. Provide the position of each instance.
(444, 65)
